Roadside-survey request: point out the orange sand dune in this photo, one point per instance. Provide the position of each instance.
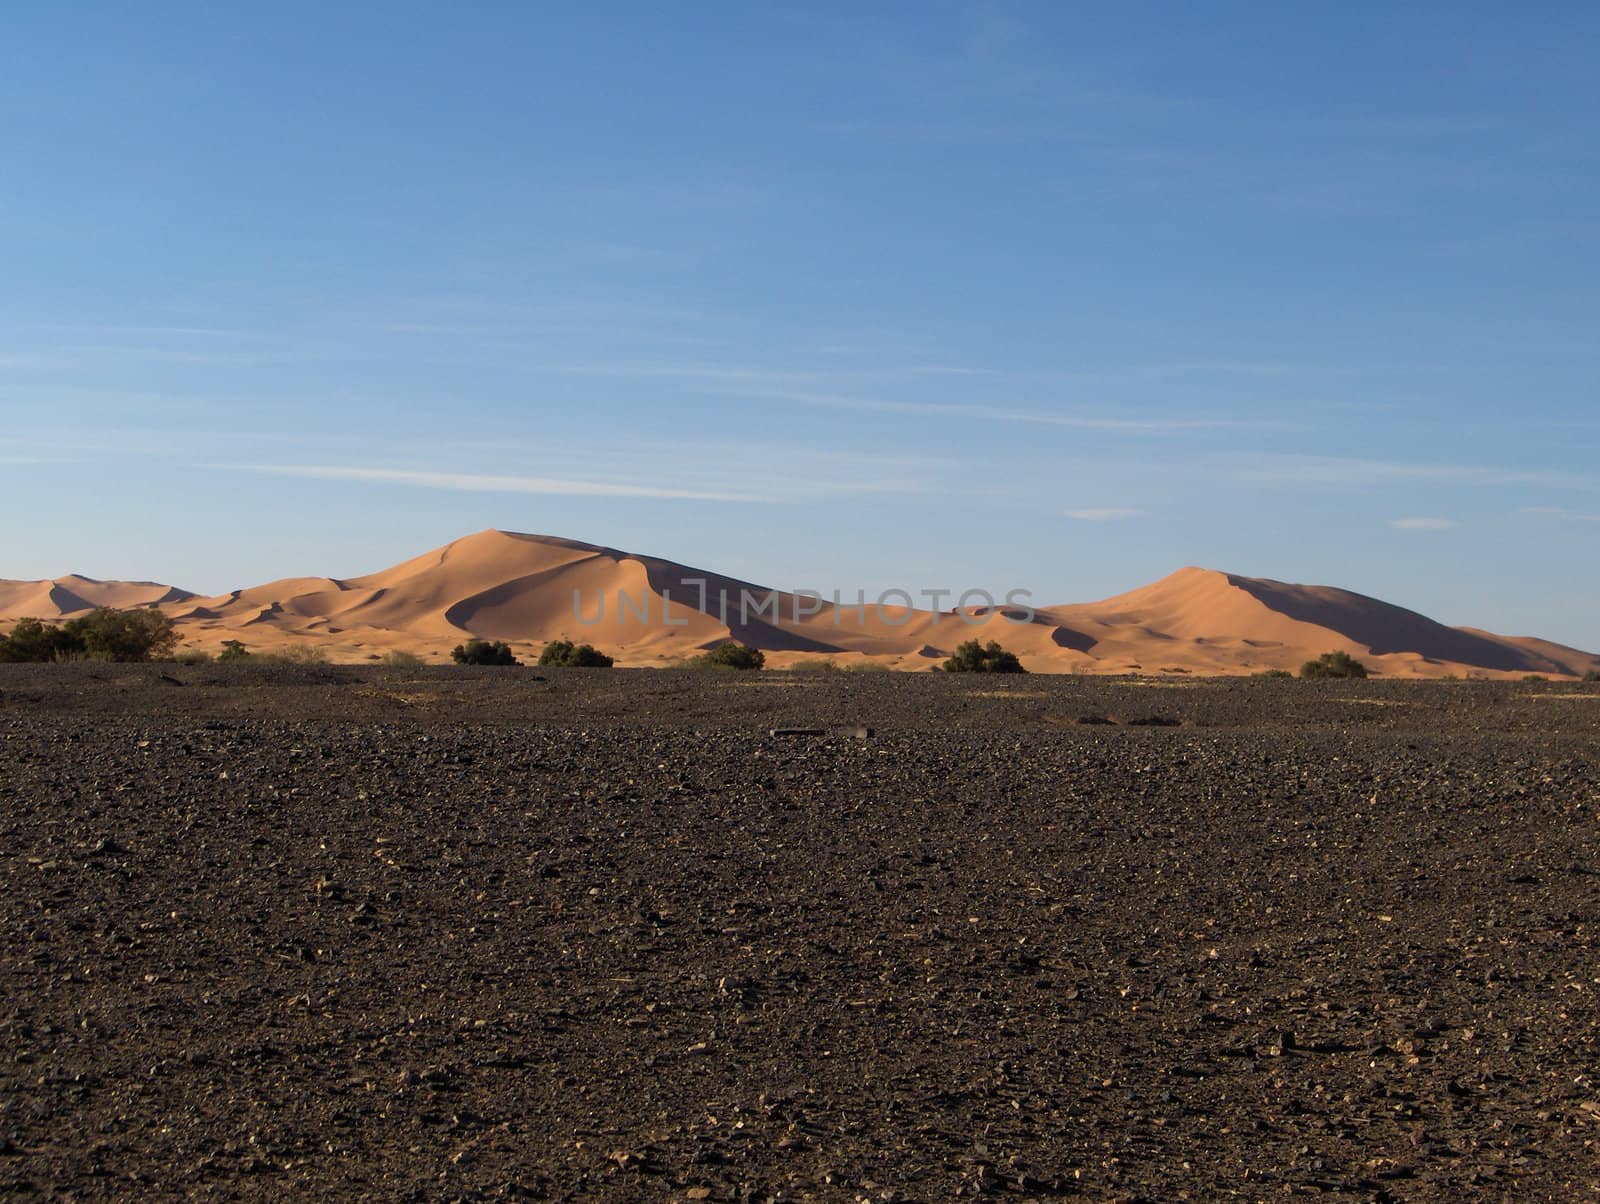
(529, 589)
(63, 597)
(1207, 621)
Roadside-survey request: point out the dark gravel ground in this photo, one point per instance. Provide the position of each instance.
(278, 933)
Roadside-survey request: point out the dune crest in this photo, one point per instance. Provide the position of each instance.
(529, 589)
(64, 597)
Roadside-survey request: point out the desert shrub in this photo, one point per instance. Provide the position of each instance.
(1592, 675)
(814, 665)
(36, 640)
(123, 635)
(192, 656)
(1333, 664)
(973, 657)
(400, 659)
(564, 654)
(1535, 677)
(867, 667)
(233, 651)
(1274, 674)
(483, 652)
(103, 634)
(295, 654)
(730, 656)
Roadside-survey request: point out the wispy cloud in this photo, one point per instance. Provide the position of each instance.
(1423, 524)
(118, 328)
(1292, 469)
(1560, 512)
(30, 363)
(710, 472)
(994, 413)
(870, 365)
(486, 323)
(72, 447)
(78, 354)
(789, 473)
(715, 374)
(1103, 514)
(949, 370)
(957, 131)
(486, 483)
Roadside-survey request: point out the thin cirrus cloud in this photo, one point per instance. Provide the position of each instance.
(1291, 469)
(1562, 513)
(822, 389)
(1097, 422)
(1423, 524)
(748, 477)
(487, 483)
(788, 474)
(1103, 514)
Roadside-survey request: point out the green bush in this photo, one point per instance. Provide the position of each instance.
(564, 654)
(232, 652)
(192, 656)
(1275, 673)
(399, 659)
(973, 657)
(124, 635)
(1592, 675)
(1535, 677)
(35, 640)
(103, 634)
(730, 656)
(483, 652)
(1333, 664)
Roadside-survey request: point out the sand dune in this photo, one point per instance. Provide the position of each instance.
(1207, 621)
(63, 597)
(528, 589)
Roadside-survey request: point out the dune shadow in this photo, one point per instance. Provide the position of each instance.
(1386, 628)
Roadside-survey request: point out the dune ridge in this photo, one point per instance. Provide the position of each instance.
(64, 597)
(521, 588)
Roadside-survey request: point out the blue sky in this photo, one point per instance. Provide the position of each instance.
(827, 295)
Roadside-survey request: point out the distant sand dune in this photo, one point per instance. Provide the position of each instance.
(66, 596)
(521, 588)
(1383, 628)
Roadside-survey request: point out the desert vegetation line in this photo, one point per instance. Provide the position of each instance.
(144, 634)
